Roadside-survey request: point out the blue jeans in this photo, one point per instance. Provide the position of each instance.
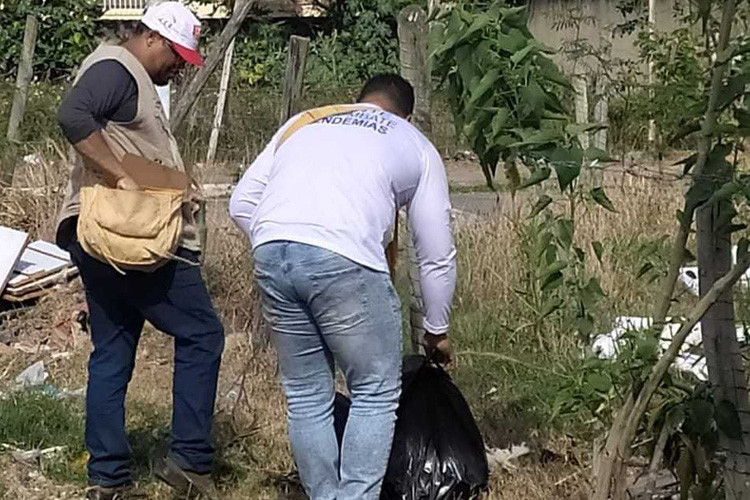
(174, 299)
(325, 309)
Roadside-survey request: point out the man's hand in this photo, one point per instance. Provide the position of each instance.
(95, 150)
(127, 183)
(438, 348)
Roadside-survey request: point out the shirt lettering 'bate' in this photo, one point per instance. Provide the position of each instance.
(378, 122)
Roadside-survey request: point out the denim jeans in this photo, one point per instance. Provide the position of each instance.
(174, 299)
(325, 309)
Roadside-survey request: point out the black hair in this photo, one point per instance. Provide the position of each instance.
(396, 88)
(141, 29)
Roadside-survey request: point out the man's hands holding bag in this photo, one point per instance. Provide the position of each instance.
(438, 348)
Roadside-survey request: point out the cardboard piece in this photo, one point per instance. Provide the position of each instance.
(50, 249)
(10, 252)
(33, 265)
(35, 285)
(150, 174)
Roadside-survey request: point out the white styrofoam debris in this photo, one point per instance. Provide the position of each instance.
(498, 457)
(32, 376)
(608, 345)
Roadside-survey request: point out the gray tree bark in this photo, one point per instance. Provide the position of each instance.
(726, 370)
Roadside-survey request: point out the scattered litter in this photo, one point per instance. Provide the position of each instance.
(689, 276)
(33, 160)
(502, 458)
(33, 376)
(13, 244)
(41, 267)
(62, 355)
(72, 394)
(35, 455)
(490, 392)
(609, 345)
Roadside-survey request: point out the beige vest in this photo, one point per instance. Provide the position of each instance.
(148, 135)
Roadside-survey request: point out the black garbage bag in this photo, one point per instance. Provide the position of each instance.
(438, 452)
(341, 406)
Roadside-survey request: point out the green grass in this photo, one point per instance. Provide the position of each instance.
(37, 420)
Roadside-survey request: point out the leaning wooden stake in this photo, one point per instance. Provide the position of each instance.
(213, 142)
(611, 459)
(294, 77)
(23, 80)
(216, 53)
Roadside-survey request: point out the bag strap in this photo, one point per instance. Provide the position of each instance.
(314, 115)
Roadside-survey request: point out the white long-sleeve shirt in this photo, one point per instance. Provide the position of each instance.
(337, 183)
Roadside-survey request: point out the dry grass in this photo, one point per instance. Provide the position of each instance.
(255, 461)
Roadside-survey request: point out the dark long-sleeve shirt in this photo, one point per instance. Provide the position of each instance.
(105, 92)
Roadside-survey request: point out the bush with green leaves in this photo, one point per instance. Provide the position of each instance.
(68, 32)
(507, 100)
(506, 94)
(357, 39)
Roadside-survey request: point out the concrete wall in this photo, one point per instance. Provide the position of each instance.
(545, 17)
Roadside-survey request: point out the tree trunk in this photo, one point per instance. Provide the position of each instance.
(726, 369)
(617, 448)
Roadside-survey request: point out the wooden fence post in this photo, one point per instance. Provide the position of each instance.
(241, 10)
(294, 77)
(580, 84)
(412, 37)
(23, 79)
(601, 116)
(226, 69)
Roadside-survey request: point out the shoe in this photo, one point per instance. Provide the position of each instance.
(185, 482)
(97, 492)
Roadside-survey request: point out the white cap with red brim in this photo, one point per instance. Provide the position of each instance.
(176, 23)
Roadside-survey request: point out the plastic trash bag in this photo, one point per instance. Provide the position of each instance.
(341, 406)
(438, 452)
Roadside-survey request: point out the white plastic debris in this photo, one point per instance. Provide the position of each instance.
(690, 276)
(36, 454)
(498, 457)
(70, 394)
(33, 160)
(33, 376)
(608, 346)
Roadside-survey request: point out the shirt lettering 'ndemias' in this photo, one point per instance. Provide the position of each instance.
(337, 183)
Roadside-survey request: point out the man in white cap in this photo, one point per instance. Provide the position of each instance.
(113, 109)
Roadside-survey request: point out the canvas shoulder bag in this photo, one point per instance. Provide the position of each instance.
(134, 230)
